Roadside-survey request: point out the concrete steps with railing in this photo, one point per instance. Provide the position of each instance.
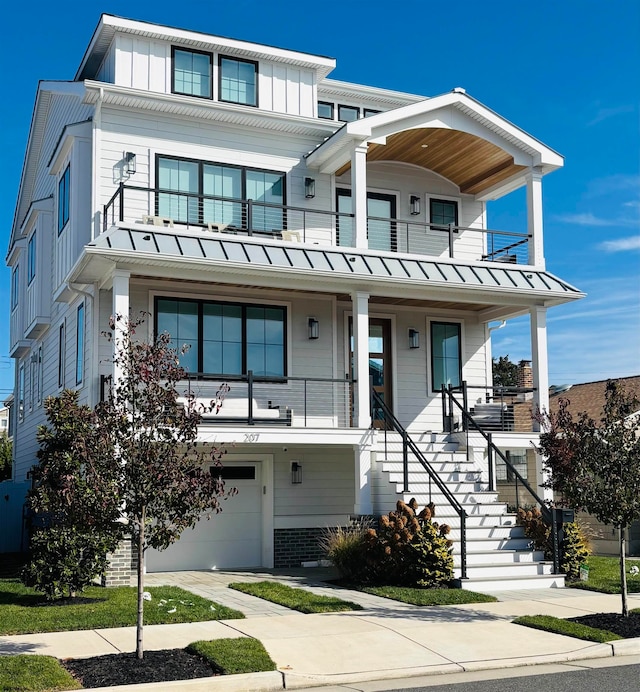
(499, 555)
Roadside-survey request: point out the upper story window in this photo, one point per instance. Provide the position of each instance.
(36, 378)
(446, 355)
(443, 212)
(348, 114)
(192, 73)
(63, 198)
(80, 344)
(15, 286)
(325, 110)
(31, 258)
(226, 338)
(238, 81)
(21, 392)
(369, 111)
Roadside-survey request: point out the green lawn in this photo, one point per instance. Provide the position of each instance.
(31, 673)
(296, 599)
(604, 576)
(23, 610)
(233, 656)
(548, 623)
(428, 597)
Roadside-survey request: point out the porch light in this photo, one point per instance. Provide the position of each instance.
(130, 162)
(314, 328)
(309, 188)
(296, 473)
(414, 205)
(414, 338)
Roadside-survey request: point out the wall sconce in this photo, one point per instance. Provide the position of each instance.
(129, 162)
(309, 188)
(314, 328)
(414, 338)
(414, 205)
(296, 473)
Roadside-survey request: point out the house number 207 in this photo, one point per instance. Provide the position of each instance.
(251, 437)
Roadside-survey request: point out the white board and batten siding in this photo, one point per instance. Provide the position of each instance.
(146, 64)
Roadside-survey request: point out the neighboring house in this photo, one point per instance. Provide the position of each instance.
(590, 398)
(303, 235)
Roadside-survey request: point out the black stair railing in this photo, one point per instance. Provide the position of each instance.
(450, 403)
(384, 414)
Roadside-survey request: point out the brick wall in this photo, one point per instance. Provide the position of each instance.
(123, 565)
(291, 547)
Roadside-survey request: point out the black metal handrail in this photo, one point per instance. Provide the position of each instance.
(548, 515)
(409, 445)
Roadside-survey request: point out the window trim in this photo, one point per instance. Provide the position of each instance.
(32, 257)
(256, 65)
(15, 287)
(457, 323)
(243, 304)
(62, 353)
(331, 105)
(173, 71)
(80, 343)
(64, 199)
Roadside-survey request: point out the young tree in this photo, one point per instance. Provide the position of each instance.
(165, 482)
(505, 373)
(74, 503)
(6, 455)
(596, 467)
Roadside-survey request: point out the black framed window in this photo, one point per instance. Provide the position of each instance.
(381, 215)
(192, 73)
(80, 344)
(325, 110)
(238, 82)
(347, 114)
(15, 286)
(200, 192)
(518, 459)
(443, 212)
(225, 338)
(31, 258)
(446, 355)
(369, 111)
(64, 198)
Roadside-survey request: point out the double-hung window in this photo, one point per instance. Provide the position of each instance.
(446, 355)
(15, 287)
(63, 198)
(80, 344)
(225, 338)
(199, 192)
(238, 81)
(31, 258)
(192, 73)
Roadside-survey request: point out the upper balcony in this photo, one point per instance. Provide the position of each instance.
(213, 214)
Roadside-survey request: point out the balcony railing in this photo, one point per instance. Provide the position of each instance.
(287, 401)
(267, 220)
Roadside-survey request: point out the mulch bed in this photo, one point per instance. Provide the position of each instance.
(626, 627)
(126, 669)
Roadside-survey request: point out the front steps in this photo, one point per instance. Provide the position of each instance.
(499, 556)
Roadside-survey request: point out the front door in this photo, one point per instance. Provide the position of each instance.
(379, 363)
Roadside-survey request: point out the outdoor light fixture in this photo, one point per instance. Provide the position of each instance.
(309, 188)
(414, 338)
(296, 473)
(314, 328)
(414, 205)
(130, 162)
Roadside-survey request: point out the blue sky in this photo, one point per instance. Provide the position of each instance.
(566, 72)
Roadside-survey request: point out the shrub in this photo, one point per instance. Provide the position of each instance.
(345, 547)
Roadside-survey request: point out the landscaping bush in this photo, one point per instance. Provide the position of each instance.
(345, 547)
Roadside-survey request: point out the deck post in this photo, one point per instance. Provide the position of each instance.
(359, 195)
(360, 301)
(534, 217)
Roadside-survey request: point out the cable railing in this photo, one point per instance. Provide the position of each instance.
(268, 220)
(384, 414)
(451, 404)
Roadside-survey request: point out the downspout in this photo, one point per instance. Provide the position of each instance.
(96, 141)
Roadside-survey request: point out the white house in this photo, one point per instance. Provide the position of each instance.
(311, 240)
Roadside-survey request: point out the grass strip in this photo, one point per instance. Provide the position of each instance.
(548, 623)
(32, 673)
(604, 576)
(24, 611)
(296, 599)
(428, 597)
(231, 656)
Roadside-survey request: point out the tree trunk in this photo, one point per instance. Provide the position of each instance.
(623, 574)
(140, 619)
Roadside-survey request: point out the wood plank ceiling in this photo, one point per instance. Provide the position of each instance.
(470, 162)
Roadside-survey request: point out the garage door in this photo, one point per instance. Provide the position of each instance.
(231, 539)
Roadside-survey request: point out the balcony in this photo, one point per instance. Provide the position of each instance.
(211, 214)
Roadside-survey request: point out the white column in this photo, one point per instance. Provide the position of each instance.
(362, 396)
(363, 503)
(534, 217)
(540, 366)
(359, 195)
(120, 307)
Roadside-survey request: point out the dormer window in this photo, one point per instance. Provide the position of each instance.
(238, 81)
(192, 73)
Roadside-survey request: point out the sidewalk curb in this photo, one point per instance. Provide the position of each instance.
(270, 681)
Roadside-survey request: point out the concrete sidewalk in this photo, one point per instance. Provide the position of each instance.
(386, 640)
